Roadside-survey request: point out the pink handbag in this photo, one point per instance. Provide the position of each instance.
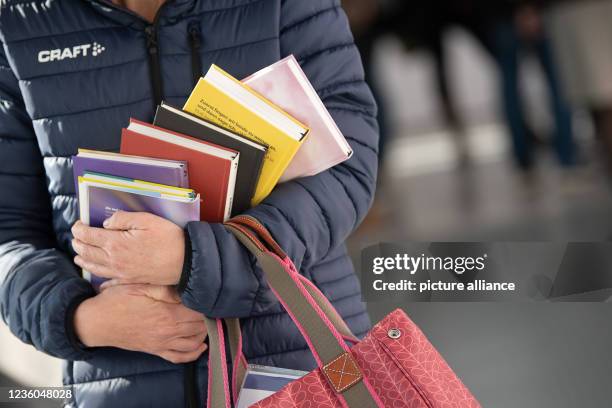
(393, 366)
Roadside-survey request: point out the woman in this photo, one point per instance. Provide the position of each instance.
(71, 75)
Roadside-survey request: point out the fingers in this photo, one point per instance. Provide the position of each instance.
(97, 237)
(90, 253)
(185, 314)
(186, 344)
(131, 287)
(178, 357)
(92, 246)
(162, 293)
(124, 220)
(97, 269)
(190, 329)
(110, 283)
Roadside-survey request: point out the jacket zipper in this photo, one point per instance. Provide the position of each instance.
(195, 43)
(154, 65)
(190, 380)
(151, 33)
(152, 44)
(190, 369)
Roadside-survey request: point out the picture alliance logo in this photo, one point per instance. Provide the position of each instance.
(78, 51)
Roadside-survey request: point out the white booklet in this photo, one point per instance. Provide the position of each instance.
(261, 381)
(286, 85)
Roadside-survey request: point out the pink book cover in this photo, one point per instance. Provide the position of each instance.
(285, 84)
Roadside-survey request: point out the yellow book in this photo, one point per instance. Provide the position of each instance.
(223, 100)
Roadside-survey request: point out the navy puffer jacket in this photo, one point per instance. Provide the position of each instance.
(72, 72)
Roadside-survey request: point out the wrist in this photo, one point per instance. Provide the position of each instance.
(87, 328)
(69, 320)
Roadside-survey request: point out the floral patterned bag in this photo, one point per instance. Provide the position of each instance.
(393, 366)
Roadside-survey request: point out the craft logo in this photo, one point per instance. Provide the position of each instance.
(60, 54)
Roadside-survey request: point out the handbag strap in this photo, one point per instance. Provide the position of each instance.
(324, 340)
(234, 335)
(324, 304)
(239, 363)
(218, 379)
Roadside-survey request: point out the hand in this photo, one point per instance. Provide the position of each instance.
(144, 318)
(131, 248)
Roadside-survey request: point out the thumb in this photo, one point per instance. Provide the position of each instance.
(125, 220)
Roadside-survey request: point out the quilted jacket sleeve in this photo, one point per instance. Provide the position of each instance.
(309, 217)
(39, 285)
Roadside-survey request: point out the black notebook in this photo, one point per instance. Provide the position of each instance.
(251, 154)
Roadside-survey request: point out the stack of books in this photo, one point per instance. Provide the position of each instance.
(219, 155)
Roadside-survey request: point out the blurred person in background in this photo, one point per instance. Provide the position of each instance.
(419, 25)
(369, 20)
(515, 26)
(505, 29)
(581, 31)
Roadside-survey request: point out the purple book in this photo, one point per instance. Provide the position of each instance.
(103, 202)
(168, 172)
(97, 203)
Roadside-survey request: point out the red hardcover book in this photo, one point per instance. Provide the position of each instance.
(212, 168)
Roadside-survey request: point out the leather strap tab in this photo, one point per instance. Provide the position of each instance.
(343, 372)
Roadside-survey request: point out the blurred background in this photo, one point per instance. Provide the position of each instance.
(496, 125)
(496, 118)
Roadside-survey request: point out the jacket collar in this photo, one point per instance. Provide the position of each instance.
(169, 12)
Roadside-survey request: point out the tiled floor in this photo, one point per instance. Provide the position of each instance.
(491, 201)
